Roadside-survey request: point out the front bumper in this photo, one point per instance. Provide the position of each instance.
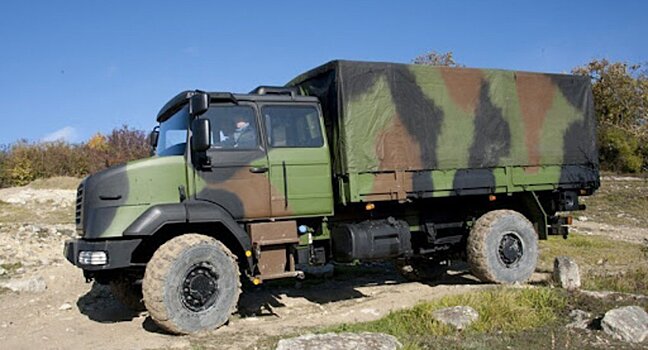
(118, 252)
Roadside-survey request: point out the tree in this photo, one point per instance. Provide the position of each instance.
(434, 58)
(621, 103)
(620, 94)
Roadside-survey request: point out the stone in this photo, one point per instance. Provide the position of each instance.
(341, 341)
(458, 317)
(566, 273)
(29, 285)
(3, 271)
(628, 323)
(582, 218)
(65, 306)
(580, 319)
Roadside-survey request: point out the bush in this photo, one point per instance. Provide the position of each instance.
(24, 162)
(621, 103)
(620, 150)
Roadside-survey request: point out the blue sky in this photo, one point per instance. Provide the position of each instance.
(71, 68)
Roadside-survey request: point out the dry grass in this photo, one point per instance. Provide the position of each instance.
(20, 214)
(605, 264)
(58, 182)
(619, 202)
(592, 251)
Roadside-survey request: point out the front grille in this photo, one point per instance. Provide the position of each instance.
(78, 214)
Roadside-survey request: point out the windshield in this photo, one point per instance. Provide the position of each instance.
(173, 135)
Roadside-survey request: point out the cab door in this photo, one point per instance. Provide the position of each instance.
(237, 176)
(298, 155)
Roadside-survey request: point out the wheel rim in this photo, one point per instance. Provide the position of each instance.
(511, 249)
(200, 287)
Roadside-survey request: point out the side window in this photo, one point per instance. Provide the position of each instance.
(292, 126)
(233, 127)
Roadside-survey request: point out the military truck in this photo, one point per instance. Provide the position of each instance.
(351, 161)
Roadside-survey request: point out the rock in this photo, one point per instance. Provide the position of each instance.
(3, 271)
(65, 306)
(582, 218)
(628, 323)
(580, 319)
(566, 273)
(341, 341)
(458, 317)
(29, 285)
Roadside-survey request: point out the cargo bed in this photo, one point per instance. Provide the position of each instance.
(402, 131)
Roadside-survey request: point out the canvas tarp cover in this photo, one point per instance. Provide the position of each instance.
(398, 117)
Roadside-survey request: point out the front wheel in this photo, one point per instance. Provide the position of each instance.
(191, 284)
(502, 247)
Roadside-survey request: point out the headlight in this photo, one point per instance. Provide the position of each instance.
(93, 257)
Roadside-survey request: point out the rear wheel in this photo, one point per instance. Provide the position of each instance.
(502, 247)
(191, 284)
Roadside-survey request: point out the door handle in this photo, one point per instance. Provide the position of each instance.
(259, 170)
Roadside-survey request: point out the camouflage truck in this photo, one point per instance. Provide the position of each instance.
(350, 161)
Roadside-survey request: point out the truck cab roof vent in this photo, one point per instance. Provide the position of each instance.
(275, 90)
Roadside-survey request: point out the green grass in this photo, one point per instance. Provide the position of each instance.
(510, 318)
(11, 268)
(500, 310)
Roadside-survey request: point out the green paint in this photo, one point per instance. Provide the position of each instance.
(373, 112)
(308, 177)
(559, 117)
(150, 181)
(503, 94)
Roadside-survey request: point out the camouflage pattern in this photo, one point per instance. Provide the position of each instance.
(395, 132)
(400, 131)
(112, 199)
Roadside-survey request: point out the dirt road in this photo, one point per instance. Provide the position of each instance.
(73, 314)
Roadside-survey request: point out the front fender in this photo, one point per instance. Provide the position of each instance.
(190, 212)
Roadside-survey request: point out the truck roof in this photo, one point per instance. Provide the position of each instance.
(260, 94)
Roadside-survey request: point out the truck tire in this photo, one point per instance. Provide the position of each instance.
(191, 284)
(127, 292)
(420, 269)
(502, 247)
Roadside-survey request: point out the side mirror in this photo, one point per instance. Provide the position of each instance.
(154, 136)
(200, 135)
(198, 104)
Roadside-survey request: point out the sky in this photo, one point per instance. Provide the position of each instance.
(70, 69)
